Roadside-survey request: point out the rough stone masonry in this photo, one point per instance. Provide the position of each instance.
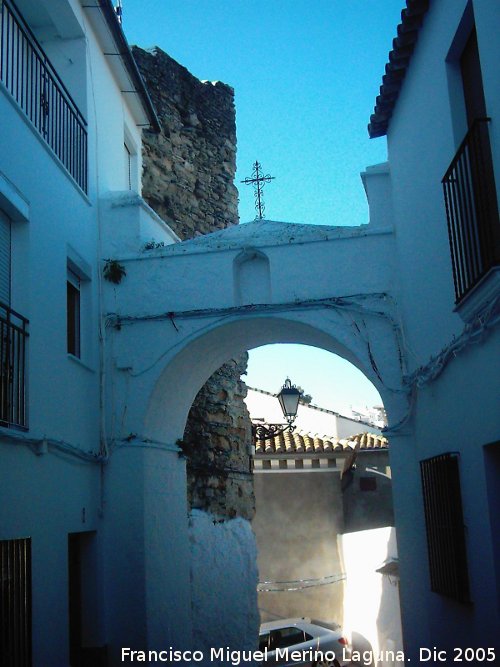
(189, 167)
(188, 179)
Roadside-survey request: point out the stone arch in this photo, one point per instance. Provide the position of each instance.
(178, 352)
(181, 378)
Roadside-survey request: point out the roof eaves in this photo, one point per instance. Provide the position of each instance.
(116, 30)
(395, 70)
(390, 568)
(300, 445)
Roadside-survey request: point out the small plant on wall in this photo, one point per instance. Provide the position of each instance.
(114, 271)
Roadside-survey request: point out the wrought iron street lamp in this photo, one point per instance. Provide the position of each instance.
(289, 401)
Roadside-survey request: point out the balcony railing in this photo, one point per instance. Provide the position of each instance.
(13, 338)
(472, 210)
(32, 81)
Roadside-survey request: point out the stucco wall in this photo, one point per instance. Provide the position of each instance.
(367, 493)
(49, 484)
(453, 409)
(224, 613)
(371, 604)
(297, 520)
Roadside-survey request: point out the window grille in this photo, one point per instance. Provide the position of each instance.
(15, 603)
(13, 355)
(445, 526)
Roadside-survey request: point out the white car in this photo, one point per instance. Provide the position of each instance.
(299, 641)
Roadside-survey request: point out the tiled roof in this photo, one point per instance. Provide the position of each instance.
(298, 443)
(395, 70)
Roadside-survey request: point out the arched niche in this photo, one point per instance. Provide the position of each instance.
(251, 278)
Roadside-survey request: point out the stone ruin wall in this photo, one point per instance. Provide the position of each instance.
(189, 167)
(188, 179)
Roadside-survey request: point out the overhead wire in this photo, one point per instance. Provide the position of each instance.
(299, 584)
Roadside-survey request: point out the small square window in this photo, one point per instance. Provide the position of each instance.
(73, 314)
(367, 484)
(131, 161)
(128, 167)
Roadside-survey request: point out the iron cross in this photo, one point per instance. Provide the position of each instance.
(258, 181)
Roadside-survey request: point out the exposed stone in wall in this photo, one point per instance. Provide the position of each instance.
(189, 167)
(216, 442)
(188, 180)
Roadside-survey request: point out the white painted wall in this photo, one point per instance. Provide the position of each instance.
(113, 123)
(457, 411)
(128, 224)
(224, 577)
(48, 490)
(154, 382)
(371, 600)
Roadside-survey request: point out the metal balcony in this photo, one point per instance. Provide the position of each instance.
(29, 77)
(472, 210)
(13, 338)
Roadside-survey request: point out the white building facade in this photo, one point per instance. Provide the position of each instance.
(439, 106)
(72, 106)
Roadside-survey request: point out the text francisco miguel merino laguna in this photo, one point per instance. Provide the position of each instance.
(228, 656)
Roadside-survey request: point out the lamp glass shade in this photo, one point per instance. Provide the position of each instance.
(289, 400)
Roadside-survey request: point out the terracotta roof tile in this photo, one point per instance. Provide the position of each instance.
(327, 446)
(395, 70)
(299, 443)
(308, 444)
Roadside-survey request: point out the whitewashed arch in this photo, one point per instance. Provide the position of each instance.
(173, 320)
(177, 316)
(180, 380)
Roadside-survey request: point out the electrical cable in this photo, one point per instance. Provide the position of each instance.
(215, 470)
(42, 445)
(346, 302)
(299, 584)
(337, 303)
(473, 332)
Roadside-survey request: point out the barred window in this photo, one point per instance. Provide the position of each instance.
(445, 526)
(15, 602)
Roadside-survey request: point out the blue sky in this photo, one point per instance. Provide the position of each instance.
(305, 75)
